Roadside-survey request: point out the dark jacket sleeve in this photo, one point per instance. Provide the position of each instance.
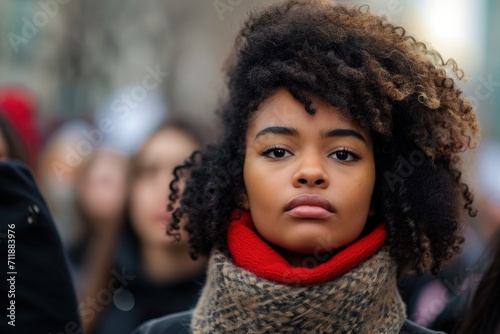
(177, 323)
(37, 293)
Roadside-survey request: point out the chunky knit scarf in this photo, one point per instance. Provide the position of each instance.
(363, 299)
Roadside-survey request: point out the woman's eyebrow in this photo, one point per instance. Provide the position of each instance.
(343, 133)
(278, 130)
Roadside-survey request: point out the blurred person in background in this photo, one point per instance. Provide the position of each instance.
(39, 293)
(158, 275)
(58, 171)
(481, 314)
(480, 256)
(83, 167)
(19, 125)
(100, 204)
(439, 302)
(128, 270)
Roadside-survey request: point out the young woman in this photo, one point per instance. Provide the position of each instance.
(127, 220)
(339, 169)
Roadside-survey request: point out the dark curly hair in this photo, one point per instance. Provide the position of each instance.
(376, 74)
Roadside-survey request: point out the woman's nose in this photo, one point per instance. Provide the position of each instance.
(311, 172)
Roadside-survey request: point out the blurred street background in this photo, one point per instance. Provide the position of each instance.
(73, 53)
(85, 84)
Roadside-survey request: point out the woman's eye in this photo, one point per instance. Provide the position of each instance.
(344, 155)
(277, 153)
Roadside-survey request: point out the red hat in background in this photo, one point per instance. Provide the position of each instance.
(18, 105)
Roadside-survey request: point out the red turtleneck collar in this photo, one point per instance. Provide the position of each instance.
(250, 252)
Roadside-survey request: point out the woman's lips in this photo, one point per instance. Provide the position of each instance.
(309, 206)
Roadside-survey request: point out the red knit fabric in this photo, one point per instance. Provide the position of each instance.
(250, 252)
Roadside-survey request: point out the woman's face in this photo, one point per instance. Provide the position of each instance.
(103, 190)
(150, 185)
(309, 178)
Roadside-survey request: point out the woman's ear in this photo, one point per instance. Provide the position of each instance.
(244, 200)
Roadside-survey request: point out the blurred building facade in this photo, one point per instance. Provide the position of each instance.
(74, 53)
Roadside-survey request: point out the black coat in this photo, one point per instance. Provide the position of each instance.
(35, 281)
(179, 323)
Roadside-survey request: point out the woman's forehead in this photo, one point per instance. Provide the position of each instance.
(282, 108)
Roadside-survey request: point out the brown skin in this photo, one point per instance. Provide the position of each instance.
(279, 167)
(103, 191)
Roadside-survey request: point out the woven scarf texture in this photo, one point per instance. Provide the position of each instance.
(365, 299)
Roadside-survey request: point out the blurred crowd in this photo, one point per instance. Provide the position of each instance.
(107, 187)
(106, 180)
(105, 176)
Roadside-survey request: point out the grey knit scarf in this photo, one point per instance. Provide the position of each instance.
(363, 300)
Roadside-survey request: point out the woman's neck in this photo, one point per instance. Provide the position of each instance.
(167, 264)
(299, 260)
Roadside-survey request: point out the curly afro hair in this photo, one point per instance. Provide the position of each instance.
(376, 74)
